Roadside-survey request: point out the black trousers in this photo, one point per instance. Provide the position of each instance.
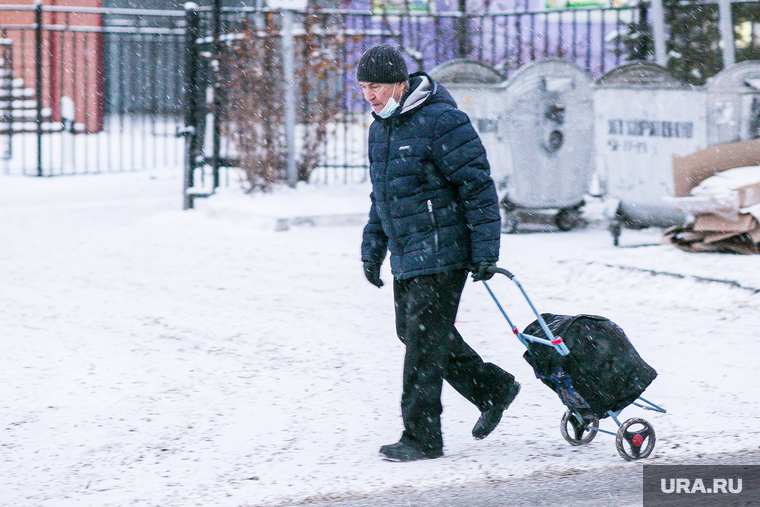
(426, 307)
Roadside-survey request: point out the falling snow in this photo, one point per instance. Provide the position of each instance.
(158, 357)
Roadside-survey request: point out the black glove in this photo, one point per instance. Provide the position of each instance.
(482, 271)
(372, 272)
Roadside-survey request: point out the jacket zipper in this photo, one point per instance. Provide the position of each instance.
(385, 169)
(432, 222)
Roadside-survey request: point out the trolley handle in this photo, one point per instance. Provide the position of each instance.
(501, 271)
(556, 342)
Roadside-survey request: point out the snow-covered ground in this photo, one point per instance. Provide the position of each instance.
(155, 357)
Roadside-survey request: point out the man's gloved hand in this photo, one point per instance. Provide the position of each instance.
(480, 271)
(372, 272)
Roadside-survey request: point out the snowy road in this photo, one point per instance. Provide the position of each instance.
(614, 486)
(154, 357)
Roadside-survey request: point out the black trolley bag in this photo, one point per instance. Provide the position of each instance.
(590, 363)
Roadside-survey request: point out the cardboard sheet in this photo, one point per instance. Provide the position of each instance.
(716, 228)
(707, 222)
(690, 170)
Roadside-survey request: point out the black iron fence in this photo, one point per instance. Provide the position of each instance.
(593, 38)
(92, 90)
(6, 93)
(89, 90)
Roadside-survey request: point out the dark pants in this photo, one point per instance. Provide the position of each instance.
(426, 307)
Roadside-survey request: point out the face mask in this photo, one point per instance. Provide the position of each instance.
(390, 106)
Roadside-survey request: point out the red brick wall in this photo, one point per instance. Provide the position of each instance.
(72, 60)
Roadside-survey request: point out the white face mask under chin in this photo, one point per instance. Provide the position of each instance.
(390, 106)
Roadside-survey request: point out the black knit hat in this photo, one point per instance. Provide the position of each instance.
(382, 64)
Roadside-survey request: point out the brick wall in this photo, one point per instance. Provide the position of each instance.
(72, 59)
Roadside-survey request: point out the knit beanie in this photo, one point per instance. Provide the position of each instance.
(382, 64)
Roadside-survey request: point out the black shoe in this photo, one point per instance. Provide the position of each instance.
(405, 452)
(490, 418)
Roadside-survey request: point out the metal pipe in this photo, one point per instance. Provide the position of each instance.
(217, 104)
(38, 78)
(658, 32)
(290, 94)
(191, 100)
(727, 32)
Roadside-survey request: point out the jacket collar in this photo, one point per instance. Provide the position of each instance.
(422, 88)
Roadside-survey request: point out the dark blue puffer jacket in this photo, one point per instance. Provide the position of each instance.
(434, 204)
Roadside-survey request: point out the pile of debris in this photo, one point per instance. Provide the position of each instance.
(720, 188)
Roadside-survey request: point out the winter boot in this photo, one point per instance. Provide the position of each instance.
(490, 418)
(401, 451)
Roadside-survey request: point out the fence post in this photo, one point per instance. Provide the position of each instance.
(658, 31)
(290, 94)
(6, 50)
(462, 30)
(38, 78)
(727, 32)
(192, 33)
(216, 106)
(641, 50)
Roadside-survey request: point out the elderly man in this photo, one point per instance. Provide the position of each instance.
(434, 206)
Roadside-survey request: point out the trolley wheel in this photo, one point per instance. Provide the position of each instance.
(635, 439)
(584, 430)
(567, 219)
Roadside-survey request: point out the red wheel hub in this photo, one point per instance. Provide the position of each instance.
(637, 440)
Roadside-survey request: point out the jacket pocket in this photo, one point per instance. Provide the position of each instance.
(431, 215)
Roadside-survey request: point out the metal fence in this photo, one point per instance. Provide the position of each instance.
(90, 90)
(590, 37)
(93, 90)
(6, 95)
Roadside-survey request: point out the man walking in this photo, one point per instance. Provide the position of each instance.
(434, 206)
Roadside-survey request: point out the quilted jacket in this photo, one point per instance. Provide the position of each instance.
(434, 204)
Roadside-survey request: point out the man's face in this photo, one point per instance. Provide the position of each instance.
(377, 94)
